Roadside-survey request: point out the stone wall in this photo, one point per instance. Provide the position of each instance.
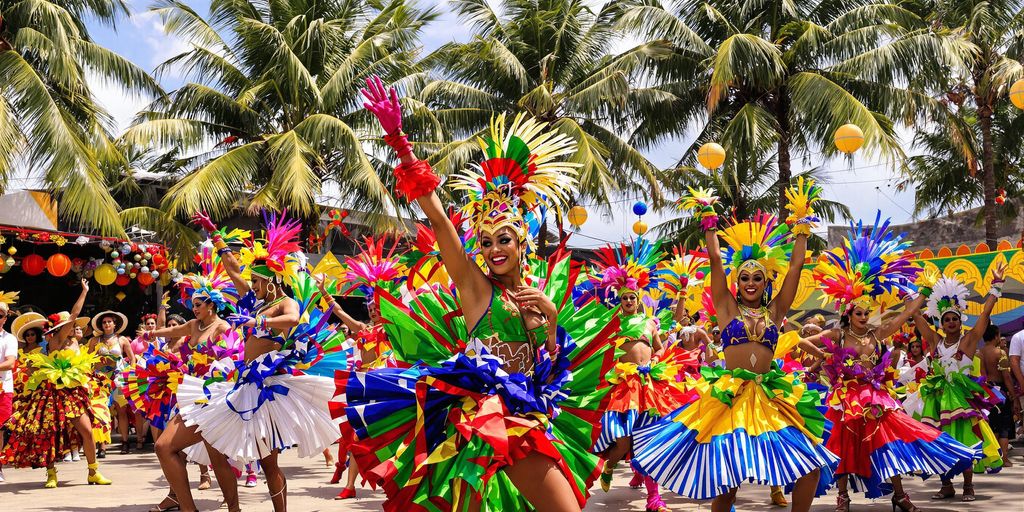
(950, 231)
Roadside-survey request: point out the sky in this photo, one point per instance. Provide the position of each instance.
(864, 184)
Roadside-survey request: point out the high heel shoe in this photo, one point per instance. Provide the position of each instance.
(945, 492)
(903, 503)
(338, 469)
(843, 502)
(173, 506)
(51, 478)
(204, 482)
(968, 493)
(778, 497)
(95, 478)
(606, 477)
(345, 494)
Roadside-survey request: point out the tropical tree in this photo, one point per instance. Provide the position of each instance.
(555, 60)
(995, 31)
(50, 123)
(274, 113)
(785, 75)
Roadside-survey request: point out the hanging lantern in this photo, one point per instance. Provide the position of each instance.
(1017, 94)
(849, 138)
(33, 264)
(577, 216)
(711, 155)
(145, 279)
(639, 208)
(12, 250)
(105, 274)
(120, 296)
(122, 280)
(8, 264)
(58, 265)
(640, 227)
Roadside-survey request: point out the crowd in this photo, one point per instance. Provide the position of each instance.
(488, 377)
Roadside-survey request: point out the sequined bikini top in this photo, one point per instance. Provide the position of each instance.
(737, 333)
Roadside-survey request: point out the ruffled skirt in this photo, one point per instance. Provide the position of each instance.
(150, 387)
(41, 430)
(639, 394)
(958, 405)
(99, 407)
(876, 440)
(259, 409)
(744, 427)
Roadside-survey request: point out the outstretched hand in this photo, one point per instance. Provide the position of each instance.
(383, 104)
(202, 219)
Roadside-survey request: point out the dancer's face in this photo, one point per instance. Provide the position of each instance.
(260, 286)
(859, 319)
(501, 252)
(150, 324)
(951, 323)
(751, 285)
(202, 308)
(174, 323)
(630, 303)
(686, 320)
(915, 348)
(108, 324)
(79, 333)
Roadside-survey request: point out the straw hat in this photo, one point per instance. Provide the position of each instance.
(26, 322)
(63, 318)
(122, 321)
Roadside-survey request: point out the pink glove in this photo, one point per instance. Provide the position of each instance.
(387, 109)
(202, 219)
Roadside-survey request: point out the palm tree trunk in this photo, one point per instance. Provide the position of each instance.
(785, 169)
(988, 171)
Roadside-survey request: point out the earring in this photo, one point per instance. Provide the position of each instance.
(271, 288)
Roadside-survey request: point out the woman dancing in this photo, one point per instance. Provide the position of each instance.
(951, 399)
(752, 421)
(114, 353)
(485, 413)
(875, 439)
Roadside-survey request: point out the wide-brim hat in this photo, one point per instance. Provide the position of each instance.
(123, 321)
(25, 322)
(81, 321)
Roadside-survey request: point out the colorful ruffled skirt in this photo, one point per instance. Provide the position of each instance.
(958, 405)
(151, 384)
(639, 394)
(433, 436)
(744, 427)
(99, 406)
(260, 407)
(876, 440)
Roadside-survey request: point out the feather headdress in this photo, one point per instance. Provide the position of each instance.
(761, 243)
(372, 267)
(522, 176)
(8, 298)
(274, 258)
(210, 283)
(628, 268)
(949, 294)
(681, 271)
(871, 262)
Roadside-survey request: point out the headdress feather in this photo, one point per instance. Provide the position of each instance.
(274, 259)
(628, 268)
(761, 241)
(948, 295)
(211, 282)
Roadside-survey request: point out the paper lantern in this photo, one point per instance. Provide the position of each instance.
(145, 279)
(58, 265)
(12, 250)
(105, 274)
(33, 264)
(8, 265)
(158, 260)
(120, 296)
(640, 227)
(711, 155)
(1017, 94)
(122, 280)
(577, 215)
(639, 208)
(849, 138)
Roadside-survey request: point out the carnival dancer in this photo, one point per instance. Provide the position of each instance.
(752, 421)
(503, 411)
(875, 439)
(263, 406)
(951, 399)
(681, 275)
(56, 405)
(363, 274)
(114, 353)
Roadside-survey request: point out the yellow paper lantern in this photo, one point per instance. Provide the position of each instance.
(105, 274)
(849, 138)
(711, 155)
(577, 216)
(120, 296)
(1017, 94)
(640, 227)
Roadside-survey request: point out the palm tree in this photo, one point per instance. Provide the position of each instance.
(785, 75)
(50, 122)
(275, 112)
(995, 31)
(944, 176)
(554, 60)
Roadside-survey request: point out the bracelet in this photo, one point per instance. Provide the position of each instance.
(996, 291)
(218, 242)
(223, 250)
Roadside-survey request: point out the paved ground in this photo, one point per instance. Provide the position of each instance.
(138, 485)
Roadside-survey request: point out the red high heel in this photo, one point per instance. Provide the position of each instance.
(345, 494)
(843, 502)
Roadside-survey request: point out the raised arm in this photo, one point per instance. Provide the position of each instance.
(680, 310)
(416, 181)
(970, 342)
(353, 325)
(787, 293)
(725, 303)
(169, 332)
(65, 332)
(227, 256)
(928, 335)
(890, 327)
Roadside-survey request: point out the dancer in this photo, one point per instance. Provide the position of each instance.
(995, 369)
(487, 411)
(644, 384)
(46, 418)
(112, 351)
(752, 421)
(263, 408)
(875, 439)
(950, 399)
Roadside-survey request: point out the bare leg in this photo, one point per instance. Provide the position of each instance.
(803, 491)
(897, 486)
(84, 427)
(724, 502)
(156, 433)
(841, 484)
(140, 431)
(122, 427)
(226, 479)
(328, 457)
(276, 482)
(177, 437)
(543, 484)
(618, 451)
(353, 473)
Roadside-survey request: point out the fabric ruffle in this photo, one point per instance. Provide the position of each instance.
(764, 428)
(41, 430)
(99, 407)
(151, 384)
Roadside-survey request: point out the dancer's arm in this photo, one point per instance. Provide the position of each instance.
(170, 332)
(65, 332)
(969, 345)
(928, 335)
(353, 325)
(787, 293)
(890, 327)
(725, 303)
(227, 257)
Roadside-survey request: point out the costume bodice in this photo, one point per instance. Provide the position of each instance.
(503, 322)
(952, 359)
(736, 333)
(105, 348)
(633, 328)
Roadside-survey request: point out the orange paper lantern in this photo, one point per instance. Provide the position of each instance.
(58, 265)
(711, 155)
(849, 138)
(145, 279)
(122, 280)
(33, 264)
